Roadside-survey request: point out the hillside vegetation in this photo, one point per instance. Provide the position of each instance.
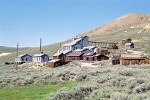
(104, 82)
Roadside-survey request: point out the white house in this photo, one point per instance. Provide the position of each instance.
(40, 57)
(23, 58)
(129, 45)
(77, 43)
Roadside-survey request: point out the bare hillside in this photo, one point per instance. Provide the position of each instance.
(123, 23)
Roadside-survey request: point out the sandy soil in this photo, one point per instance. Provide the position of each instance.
(4, 54)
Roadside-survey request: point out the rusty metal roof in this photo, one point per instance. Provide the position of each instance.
(133, 58)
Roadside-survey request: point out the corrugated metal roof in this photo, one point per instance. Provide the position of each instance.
(128, 44)
(57, 54)
(73, 42)
(73, 54)
(39, 55)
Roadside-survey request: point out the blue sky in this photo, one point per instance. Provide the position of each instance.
(26, 21)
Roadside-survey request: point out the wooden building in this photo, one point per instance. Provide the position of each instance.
(94, 57)
(54, 63)
(60, 56)
(23, 58)
(40, 57)
(89, 56)
(128, 40)
(115, 59)
(73, 56)
(112, 45)
(132, 59)
(76, 43)
(103, 51)
(99, 57)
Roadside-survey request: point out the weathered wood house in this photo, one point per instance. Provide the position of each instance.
(23, 58)
(40, 57)
(89, 56)
(92, 56)
(60, 56)
(132, 59)
(73, 56)
(54, 63)
(112, 45)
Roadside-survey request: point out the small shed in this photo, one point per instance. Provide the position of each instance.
(74, 56)
(54, 63)
(129, 45)
(60, 56)
(23, 58)
(115, 59)
(40, 57)
(112, 45)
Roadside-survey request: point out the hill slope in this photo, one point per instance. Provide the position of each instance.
(123, 23)
(135, 26)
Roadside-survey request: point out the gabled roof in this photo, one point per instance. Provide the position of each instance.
(73, 42)
(57, 54)
(39, 55)
(128, 44)
(22, 55)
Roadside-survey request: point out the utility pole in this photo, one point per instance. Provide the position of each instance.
(17, 55)
(60, 45)
(17, 48)
(40, 44)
